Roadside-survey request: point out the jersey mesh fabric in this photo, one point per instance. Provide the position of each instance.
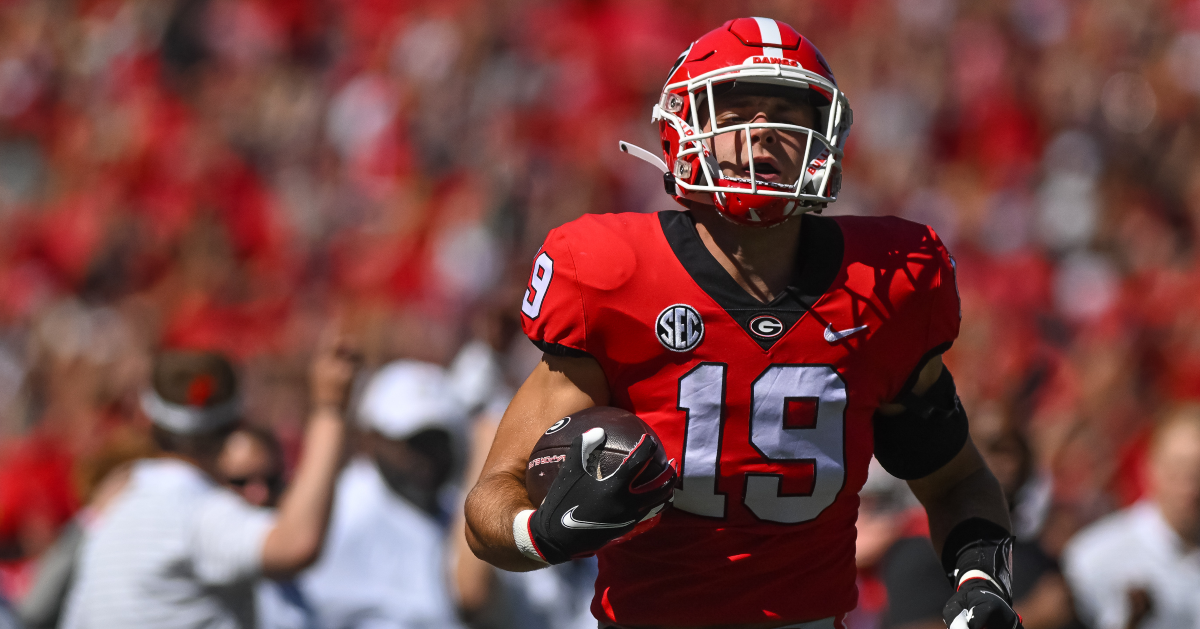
(894, 298)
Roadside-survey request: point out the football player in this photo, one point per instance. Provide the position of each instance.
(772, 351)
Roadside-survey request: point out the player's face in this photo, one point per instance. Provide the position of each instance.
(777, 154)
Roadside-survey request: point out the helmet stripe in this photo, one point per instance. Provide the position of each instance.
(768, 29)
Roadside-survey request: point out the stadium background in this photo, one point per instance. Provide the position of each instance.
(225, 173)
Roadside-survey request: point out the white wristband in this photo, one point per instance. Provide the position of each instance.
(524, 538)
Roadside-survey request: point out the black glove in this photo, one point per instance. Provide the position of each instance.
(978, 562)
(582, 513)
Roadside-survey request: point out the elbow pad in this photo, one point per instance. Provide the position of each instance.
(926, 435)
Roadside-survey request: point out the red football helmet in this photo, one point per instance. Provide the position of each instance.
(763, 54)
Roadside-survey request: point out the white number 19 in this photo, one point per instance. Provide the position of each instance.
(702, 397)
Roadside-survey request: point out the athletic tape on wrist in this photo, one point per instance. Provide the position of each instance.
(524, 538)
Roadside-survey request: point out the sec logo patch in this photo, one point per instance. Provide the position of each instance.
(679, 328)
(766, 326)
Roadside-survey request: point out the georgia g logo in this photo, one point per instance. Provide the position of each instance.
(559, 425)
(679, 328)
(766, 326)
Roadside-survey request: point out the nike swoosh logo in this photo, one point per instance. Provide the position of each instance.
(569, 521)
(834, 337)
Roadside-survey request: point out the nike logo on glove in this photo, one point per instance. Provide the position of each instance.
(834, 337)
(569, 521)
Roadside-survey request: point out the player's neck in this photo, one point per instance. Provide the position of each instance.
(760, 259)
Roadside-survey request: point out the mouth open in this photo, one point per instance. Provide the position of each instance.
(765, 168)
(766, 173)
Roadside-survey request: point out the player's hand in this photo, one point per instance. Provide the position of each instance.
(979, 604)
(582, 513)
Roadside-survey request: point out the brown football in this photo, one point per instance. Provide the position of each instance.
(623, 430)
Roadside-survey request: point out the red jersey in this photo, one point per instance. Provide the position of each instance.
(765, 407)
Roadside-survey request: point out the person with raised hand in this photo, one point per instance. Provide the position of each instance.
(179, 550)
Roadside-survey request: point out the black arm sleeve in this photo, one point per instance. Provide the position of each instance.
(931, 431)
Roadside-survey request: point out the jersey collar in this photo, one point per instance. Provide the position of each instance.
(818, 262)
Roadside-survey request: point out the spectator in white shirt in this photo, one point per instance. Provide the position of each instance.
(1140, 567)
(178, 550)
(385, 562)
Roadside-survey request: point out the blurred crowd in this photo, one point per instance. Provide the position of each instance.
(225, 175)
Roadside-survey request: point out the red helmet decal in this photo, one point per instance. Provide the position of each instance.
(765, 32)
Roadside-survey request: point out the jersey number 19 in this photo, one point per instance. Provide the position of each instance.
(779, 393)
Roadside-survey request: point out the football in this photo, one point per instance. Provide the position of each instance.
(623, 430)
